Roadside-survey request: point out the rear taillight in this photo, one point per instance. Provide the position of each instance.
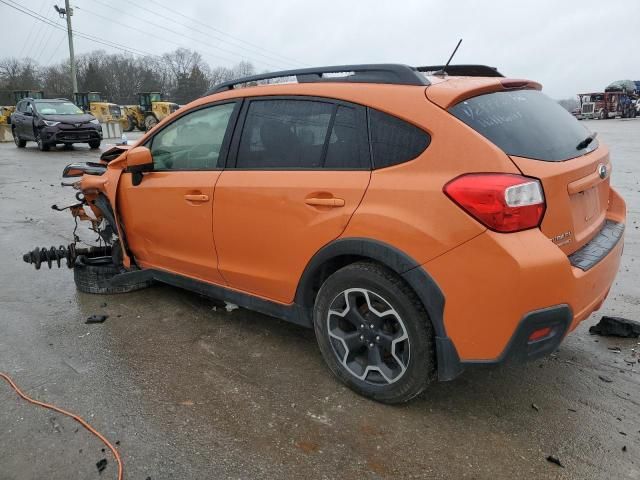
(502, 202)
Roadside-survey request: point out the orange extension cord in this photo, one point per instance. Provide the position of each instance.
(78, 419)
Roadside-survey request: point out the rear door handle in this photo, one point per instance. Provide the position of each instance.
(325, 202)
(199, 197)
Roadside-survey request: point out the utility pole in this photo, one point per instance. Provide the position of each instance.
(67, 12)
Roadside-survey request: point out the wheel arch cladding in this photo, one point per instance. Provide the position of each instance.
(342, 252)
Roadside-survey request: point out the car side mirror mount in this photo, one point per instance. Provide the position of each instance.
(139, 160)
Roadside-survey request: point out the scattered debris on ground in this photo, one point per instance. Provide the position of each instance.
(555, 460)
(101, 465)
(230, 306)
(535, 407)
(605, 378)
(616, 327)
(97, 318)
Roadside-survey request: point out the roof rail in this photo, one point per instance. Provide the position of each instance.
(463, 70)
(388, 73)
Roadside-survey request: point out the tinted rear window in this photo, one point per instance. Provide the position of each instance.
(394, 141)
(525, 123)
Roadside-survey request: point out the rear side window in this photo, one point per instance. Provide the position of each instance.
(284, 134)
(303, 134)
(394, 141)
(525, 123)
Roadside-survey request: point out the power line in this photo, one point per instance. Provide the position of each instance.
(31, 30)
(39, 31)
(144, 32)
(201, 42)
(289, 60)
(33, 14)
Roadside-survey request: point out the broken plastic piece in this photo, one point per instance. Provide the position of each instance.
(616, 327)
(101, 465)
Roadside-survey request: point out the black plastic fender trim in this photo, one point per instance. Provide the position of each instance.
(428, 291)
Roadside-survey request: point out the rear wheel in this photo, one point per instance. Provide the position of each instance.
(20, 143)
(93, 275)
(42, 145)
(150, 121)
(94, 144)
(374, 333)
(603, 115)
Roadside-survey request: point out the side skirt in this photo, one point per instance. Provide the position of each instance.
(291, 313)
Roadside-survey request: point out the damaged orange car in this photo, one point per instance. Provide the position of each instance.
(421, 220)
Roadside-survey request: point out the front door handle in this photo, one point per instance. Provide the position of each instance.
(196, 197)
(325, 202)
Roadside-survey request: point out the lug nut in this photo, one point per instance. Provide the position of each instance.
(362, 338)
(362, 325)
(371, 345)
(371, 326)
(377, 338)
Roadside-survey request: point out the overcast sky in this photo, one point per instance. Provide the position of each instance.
(569, 46)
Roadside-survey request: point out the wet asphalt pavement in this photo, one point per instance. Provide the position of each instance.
(191, 391)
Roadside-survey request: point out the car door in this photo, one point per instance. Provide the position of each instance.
(168, 216)
(298, 169)
(20, 119)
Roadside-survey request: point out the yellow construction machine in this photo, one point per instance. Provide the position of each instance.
(150, 110)
(93, 103)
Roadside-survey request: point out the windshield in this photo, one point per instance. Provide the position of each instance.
(525, 123)
(57, 108)
(94, 97)
(155, 97)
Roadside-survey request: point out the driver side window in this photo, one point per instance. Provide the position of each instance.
(193, 141)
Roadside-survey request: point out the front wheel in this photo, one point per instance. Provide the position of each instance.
(94, 144)
(93, 275)
(42, 145)
(131, 124)
(20, 143)
(374, 333)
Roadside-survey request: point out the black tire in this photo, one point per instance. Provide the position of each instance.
(150, 121)
(94, 144)
(131, 124)
(389, 290)
(20, 143)
(68, 146)
(603, 115)
(42, 145)
(93, 276)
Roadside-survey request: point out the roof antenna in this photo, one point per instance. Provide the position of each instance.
(443, 71)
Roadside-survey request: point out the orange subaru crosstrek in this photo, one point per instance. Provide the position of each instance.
(421, 220)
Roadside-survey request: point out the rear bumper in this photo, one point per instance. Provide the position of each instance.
(497, 287)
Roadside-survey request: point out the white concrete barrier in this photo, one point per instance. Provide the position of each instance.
(111, 130)
(5, 133)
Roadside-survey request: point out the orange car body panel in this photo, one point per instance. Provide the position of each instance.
(494, 279)
(266, 233)
(257, 233)
(168, 219)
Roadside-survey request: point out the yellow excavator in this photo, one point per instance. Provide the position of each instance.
(93, 103)
(7, 110)
(150, 110)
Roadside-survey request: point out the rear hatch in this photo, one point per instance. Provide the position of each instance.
(546, 142)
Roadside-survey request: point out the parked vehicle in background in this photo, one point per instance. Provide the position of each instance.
(150, 110)
(604, 105)
(93, 103)
(53, 121)
(420, 223)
